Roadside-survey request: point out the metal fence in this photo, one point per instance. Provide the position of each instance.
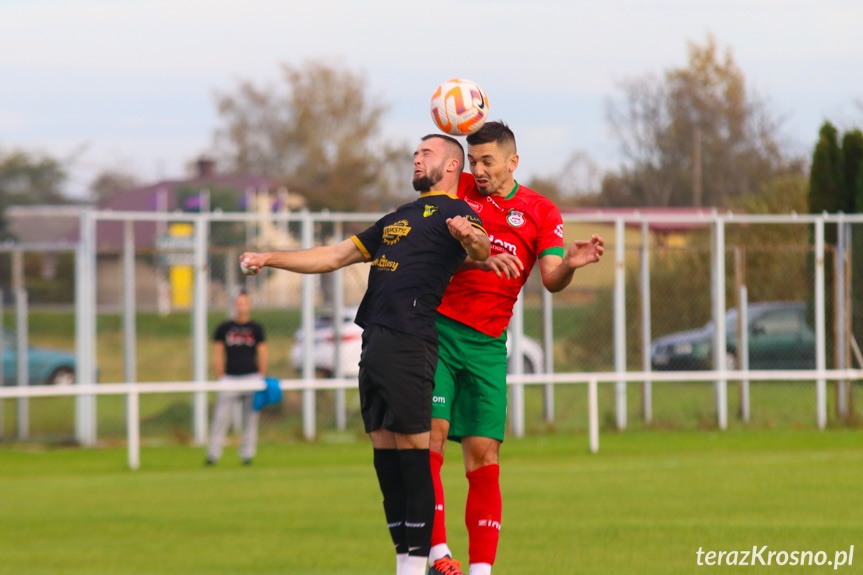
(138, 297)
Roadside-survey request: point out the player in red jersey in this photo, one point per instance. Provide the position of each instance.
(470, 381)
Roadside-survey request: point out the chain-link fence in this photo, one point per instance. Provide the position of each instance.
(648, 305)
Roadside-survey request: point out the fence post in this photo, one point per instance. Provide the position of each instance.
(338, 314)
(620, 322)
(308, 320)
(130, 365)
(133, 427)
(646, 386)
(548, 355)
(85, 328)
(23, 362)
(839, 314)
(720, 348)
(593, 414)
(820, 327)
(22, 371)
(517, 331)
(199, 326)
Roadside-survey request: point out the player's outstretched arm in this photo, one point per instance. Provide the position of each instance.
(317, 260)
(557, 272)
(475, 241)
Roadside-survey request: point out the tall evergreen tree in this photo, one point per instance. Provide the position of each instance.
(825, 177)
(852, 150)
(852, 155)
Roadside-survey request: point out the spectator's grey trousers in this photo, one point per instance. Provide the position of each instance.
(223, 414)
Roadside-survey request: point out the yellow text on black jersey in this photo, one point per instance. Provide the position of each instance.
(385, 264)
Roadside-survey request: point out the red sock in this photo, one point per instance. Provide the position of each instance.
(482, 513)
(439, 528)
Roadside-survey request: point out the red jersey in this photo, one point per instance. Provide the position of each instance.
(525, 224)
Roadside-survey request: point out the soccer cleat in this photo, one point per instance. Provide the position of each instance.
(445, 566)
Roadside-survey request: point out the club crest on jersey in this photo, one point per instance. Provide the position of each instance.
(395, 232)
(515, 218)
(429, 210)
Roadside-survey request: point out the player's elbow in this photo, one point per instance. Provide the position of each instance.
(554, 285)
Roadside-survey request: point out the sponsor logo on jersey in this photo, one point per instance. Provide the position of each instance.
(438, 399)
(385, 264)
(477, 207)
(489, 523)
(395, 232)
(515, 218)
(429, 210)
(491, 201)
(238, 336)
(502, 245)
(558, 231)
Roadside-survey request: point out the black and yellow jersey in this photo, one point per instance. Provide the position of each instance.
(413, 256)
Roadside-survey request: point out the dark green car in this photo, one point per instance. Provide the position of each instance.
(779, 338)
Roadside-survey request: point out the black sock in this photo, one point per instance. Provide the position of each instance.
(419, 487)
(395, 500)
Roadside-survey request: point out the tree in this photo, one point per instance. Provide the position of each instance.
(393, 182)
(29, 178)
(109, 183)
(695, 136)
(852, 168)
(312, 133)
(836, 184)
(826, 174)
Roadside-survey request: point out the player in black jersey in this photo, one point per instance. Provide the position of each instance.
(414, 252)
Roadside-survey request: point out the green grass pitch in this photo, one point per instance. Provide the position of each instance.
(643, 505)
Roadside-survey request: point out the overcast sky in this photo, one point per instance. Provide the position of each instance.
(129, 84)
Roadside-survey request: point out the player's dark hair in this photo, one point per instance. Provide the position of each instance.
(454, 145)
(493, 132)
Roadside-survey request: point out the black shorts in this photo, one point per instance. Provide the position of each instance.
(396, 380)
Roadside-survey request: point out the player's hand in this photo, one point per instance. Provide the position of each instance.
(583, 252)
(251, 263)
(503, 265)
(461, 229)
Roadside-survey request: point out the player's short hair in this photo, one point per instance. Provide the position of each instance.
(497, 132)
(453, 146)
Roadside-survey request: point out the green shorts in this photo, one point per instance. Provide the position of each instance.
(470, 381)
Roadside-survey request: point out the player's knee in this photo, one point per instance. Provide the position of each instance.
(439, 431)
(479, 452)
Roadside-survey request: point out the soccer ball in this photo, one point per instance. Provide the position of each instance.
(459, 107)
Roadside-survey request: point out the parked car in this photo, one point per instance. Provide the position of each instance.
(351, 336)
(46, 366)
(778, 339)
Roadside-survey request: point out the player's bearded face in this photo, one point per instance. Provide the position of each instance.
(430, 178)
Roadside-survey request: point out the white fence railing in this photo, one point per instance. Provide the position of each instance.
(133, 391)
(86, 253)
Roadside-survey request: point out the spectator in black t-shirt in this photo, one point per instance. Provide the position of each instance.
(239, 354)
